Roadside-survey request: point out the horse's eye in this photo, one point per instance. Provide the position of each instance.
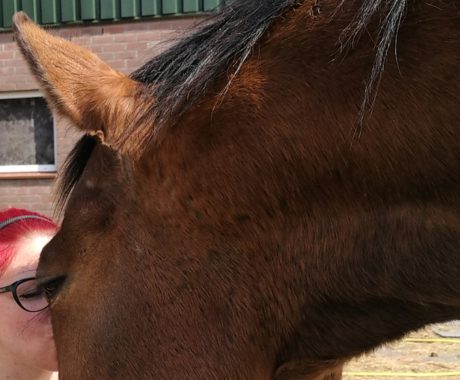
(52, 286)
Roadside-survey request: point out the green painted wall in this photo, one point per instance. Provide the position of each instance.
(75, 11)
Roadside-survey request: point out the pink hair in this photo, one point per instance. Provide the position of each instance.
(22, 222)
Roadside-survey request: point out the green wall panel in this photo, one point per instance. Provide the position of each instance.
(109, 9)
(88, 9)
(69, 11)
(10, 7)
(191, 6)
(129, 8)
(150, 7)
(49, 12)
(209, 5)
(169, 7)
(31, 8)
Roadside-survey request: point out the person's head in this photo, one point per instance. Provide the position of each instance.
(25, 337)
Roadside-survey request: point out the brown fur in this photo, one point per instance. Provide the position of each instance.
(259, 240)
(104, 97)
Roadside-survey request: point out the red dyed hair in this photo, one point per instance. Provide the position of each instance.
(12, 233)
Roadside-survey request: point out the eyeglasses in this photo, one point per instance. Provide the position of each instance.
(27, 294)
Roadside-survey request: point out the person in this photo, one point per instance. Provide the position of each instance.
(27, 350)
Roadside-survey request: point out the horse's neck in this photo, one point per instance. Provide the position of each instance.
(344, 207)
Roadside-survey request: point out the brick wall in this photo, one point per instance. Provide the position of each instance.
(124, 46)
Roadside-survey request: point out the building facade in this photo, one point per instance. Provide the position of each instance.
(123, 33)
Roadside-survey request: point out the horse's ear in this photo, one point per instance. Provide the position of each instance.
(76, 83)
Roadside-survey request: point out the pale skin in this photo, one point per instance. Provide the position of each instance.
(27, 350)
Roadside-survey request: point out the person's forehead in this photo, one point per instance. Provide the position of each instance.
(24, 262)
(34, 242)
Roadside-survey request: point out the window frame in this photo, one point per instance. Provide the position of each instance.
(34, 169)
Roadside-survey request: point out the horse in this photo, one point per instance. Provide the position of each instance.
(275, 194)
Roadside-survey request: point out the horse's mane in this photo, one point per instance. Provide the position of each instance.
(221, 44)
(73, 168)
(393, 12)
(183, 74)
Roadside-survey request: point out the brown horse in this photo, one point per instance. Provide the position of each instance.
(274, 195)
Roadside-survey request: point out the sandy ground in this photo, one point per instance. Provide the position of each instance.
(409, 359)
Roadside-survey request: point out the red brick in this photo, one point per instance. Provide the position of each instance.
(132, 54)
(119, 64)
(113, 29)
(8, 54)
(115, 48)
(138, 46)
(106, 56)
(21, 69)
(6, 37)
(127, 37)
(7, 71)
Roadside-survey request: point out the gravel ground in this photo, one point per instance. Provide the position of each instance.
(410, 358)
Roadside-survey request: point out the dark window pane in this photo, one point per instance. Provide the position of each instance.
(26, 132)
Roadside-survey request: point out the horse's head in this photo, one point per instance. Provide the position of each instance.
(146, 227)
(230, 223)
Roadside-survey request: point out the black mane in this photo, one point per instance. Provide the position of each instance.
(222, 43)
(181, 75)
(392, 15)
(73, 168)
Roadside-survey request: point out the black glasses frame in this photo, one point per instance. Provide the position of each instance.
(13, 287)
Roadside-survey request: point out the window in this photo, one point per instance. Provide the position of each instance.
(26, 134)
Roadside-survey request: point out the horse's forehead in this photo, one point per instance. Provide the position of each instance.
(100, 187)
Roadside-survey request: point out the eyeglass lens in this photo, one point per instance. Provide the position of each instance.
(31, 297)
